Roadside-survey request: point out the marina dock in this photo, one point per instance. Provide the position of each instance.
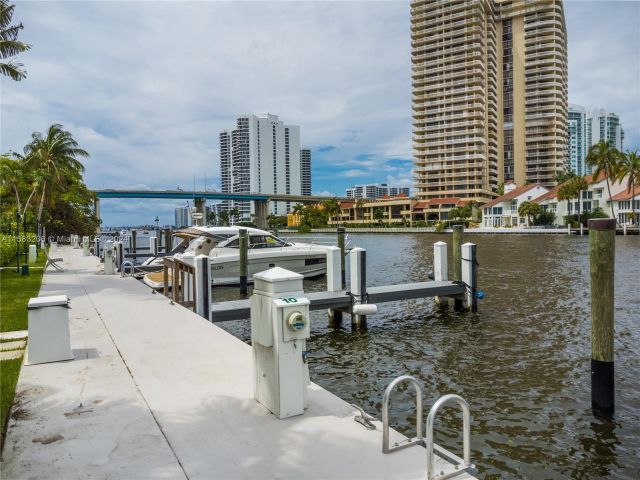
(155, 390)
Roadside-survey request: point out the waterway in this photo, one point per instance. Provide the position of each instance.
(522, 362)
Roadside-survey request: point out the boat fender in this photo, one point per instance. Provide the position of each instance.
(364, 309)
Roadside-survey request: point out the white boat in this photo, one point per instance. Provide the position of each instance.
(221, 244)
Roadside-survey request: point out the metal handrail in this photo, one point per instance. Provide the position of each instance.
(466, 466)
(418, 439)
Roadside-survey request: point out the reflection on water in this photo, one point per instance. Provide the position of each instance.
(522, 362)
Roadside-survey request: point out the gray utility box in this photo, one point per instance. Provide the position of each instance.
(49, 338)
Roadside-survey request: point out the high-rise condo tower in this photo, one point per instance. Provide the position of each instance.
(489, 95)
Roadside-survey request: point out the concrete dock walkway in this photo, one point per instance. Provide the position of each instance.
(156, 391)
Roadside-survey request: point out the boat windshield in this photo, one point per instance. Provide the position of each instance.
(258, 241)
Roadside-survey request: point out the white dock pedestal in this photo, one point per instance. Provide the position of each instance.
(32, 254)
(49, 339)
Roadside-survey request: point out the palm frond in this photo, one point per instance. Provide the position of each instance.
(13, 70)
(11, 48)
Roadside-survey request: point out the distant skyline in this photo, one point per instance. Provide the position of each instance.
(146, 87)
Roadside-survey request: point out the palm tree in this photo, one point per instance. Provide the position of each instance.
(360, 207)
(298, 209)
(10, 46)
(629, 166)
(332, 207)
(604, 158)
(56, 155)
(234, 213)
(224, 218)
(529, 210)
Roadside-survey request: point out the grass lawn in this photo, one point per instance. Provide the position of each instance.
(10, 372)
(15, 292)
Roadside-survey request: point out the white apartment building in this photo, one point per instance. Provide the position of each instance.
(603, 125)
(626, 205)
(262, 155)
(503, 211)
(374, 191)
(577, 145)
(182, 217)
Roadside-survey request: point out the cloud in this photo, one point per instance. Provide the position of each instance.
(148, 103)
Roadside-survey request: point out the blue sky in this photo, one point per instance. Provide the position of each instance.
(146, 87)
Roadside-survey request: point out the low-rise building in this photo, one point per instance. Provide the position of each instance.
(596, 196)
(626, 205)
(503, 211)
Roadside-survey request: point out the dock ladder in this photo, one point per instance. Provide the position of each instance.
(460, 467)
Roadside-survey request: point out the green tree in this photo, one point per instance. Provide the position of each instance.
(224, 218)
(571, 189)
(563, 176)
(629, 167)
(530, 210)
(298, 209)
(360, 207)
(332, 207)
(604, 158)
(378, 214)
(10, 46)
(211, 217)
(234, 213)
(499, 189)
(56, 155)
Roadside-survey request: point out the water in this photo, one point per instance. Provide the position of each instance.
(522, 362)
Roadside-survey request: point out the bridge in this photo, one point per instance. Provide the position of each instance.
(260, 200)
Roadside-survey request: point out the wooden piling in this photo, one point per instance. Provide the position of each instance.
(167, 240)
(134, 235)
(457, 259)
(341, 246)
(244, 251)
(358, 272)
(602, 237)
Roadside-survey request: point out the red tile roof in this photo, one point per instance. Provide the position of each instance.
(510, 195)
(625, 195)
(347, 205)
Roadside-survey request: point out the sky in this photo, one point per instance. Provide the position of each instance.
(146, 87)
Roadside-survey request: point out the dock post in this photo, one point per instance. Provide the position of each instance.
(581, 229)
(341, 246)
(334, 282)
(470, 276)
(167, 240)
(119, 255)
(153, 245)
(358, 269)
(457, 260)
(624, 228)
(202, 267)
(134, 236)
(244, 247)
(440, 269)
(96, 247)
(602, 238)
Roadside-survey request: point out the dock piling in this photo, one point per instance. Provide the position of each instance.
(358, 269)
(167, 240)
(602, 239)
(457, 259)
(153, 245)
(202, 264)
(341, 246)
(244, 247)
(134, 237)
(470, 276)
(440, 269)
(334, 282)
